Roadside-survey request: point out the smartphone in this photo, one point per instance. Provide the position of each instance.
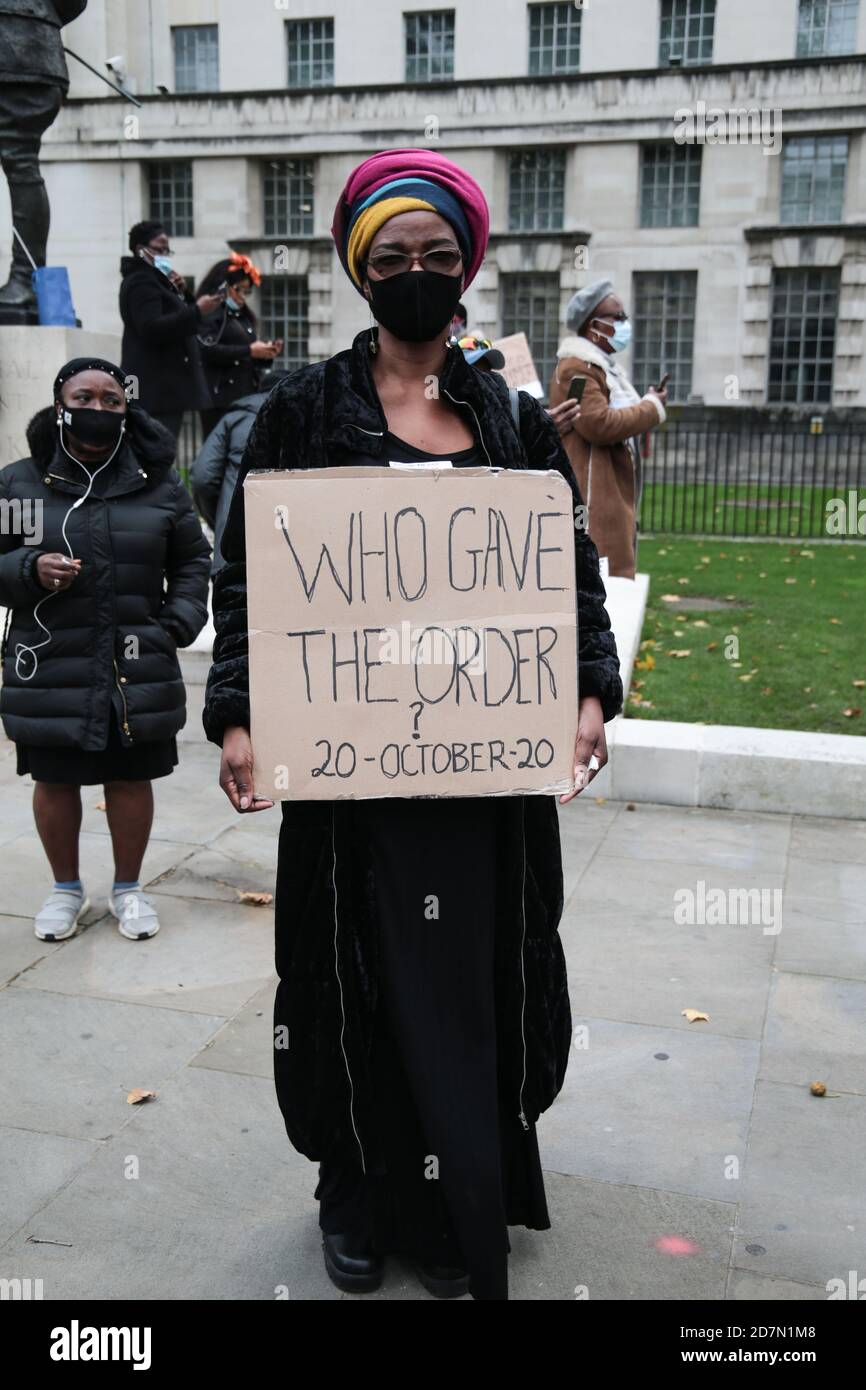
(576, 389)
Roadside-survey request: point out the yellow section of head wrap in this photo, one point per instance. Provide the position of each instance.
(368, 224)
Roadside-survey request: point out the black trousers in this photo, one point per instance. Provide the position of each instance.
(460, 1164)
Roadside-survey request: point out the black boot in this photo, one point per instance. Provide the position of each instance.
(442, 1281)
(31, 216)
(353, 1267)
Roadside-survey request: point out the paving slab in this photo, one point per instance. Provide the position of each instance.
(621, 966)
(221, 872)
(816, 1031)
(712, 838)
(222, 1207)
(245, 1043)
(208, 958)
(821, 938)
(746, 1287)
(20, 947)
(841, 886)
(42, 1164)
(818, 837)
(802, 1191)
(69, 1062)
(653, 1107)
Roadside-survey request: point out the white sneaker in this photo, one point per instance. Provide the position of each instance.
(58, 916)
(135, 913)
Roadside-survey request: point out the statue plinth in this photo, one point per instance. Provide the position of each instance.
(30, 358)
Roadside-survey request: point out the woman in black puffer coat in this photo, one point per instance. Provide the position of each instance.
(104, 571)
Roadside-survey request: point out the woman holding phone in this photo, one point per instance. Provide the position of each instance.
(410, 1041)
(599, 416)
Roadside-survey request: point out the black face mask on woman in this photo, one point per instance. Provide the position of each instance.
(99, 428)
(415, 305)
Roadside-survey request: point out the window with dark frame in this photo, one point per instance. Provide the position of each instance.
(686, 32)
(826, 27)
(196, 57)
(429, 46)
(170, 195)
(288, 190)
(536, 190)
(804, 305)
(670, 185)
(530, 304)
(554, 39)
(664, 329)
(310, 52)
(284, 313)
(814, 168)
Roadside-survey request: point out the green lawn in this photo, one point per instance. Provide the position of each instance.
(790, 655)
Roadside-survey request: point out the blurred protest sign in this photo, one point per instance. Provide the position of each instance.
(519, 370)
(411, 633)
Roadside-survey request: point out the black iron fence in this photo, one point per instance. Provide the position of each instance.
(737, 472)
(741, 474)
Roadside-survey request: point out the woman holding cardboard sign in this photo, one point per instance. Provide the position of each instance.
(422, 1021)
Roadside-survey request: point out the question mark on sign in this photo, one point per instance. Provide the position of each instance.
(419, 705)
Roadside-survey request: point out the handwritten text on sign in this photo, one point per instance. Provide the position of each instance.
(411, 633)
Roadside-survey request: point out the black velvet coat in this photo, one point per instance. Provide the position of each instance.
(325, 415)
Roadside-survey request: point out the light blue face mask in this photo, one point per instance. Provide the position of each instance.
(163, 263)
(621, 335)
(232, 307)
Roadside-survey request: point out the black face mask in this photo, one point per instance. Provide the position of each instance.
(99, 428)
(416, 305)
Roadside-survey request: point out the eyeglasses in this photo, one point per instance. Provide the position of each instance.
(444, 260)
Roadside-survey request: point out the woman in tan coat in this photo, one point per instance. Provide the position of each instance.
(599, 436)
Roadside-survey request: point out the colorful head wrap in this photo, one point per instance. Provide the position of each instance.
(396, 181)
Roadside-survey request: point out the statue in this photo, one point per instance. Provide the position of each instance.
(33, 83)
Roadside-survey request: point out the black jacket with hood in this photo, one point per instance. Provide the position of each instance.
(160, 349)
(326, 943)
(141, 591)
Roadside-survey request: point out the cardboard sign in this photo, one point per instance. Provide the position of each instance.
(519, 369)
(411, 633)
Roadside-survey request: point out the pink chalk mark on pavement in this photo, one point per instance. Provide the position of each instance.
(676, 1245)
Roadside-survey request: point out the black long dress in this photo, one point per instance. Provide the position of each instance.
(460, 1165)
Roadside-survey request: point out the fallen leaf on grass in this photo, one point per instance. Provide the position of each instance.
(684, 581)
(699, 622)
(837, 622)
(852, 713)
(790, 581)
(695, 1016)
(646, 664)
(859, 685)
(670, 598)
(137, 1096)
(687, 652)
(712, 646)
